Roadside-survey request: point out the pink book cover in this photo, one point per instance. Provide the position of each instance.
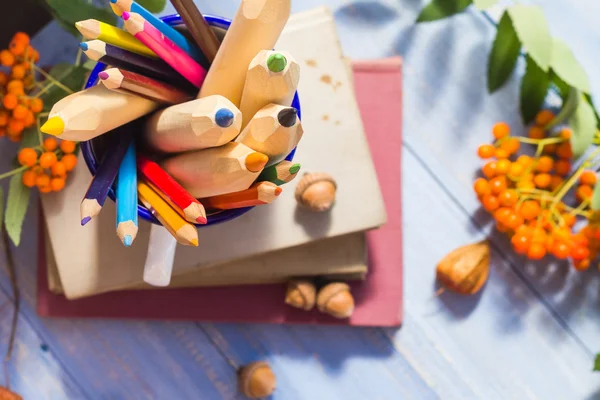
(378, 86)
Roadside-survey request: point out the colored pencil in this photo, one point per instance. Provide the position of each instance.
(274, 131)
(166, 49)
(258, 194)
(272, 78)
(117, 57)
(199, 124)
(280, 173)
(256, 26)
(105, 175)
(171, 191)
(183, 231)
(127, 200)
(92, 112)
(92, 29)
(205, 173)
(121, 6)
(198, 27)
(160, 256)
(130, 82)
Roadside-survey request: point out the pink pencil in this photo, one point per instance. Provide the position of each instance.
(164, 48)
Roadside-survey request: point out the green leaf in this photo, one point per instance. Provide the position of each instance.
(562, 86)
(504, 54)
(67, 12)
(583, 125)
(532, 29)
(70, 76)
(534, 88)
(597, 360)
(2, 206)
(484, 4)
(439, 9)
(595, 205)
(569, 106)
(154, 6)
(16, 207)
(567, 67)
(588, 98)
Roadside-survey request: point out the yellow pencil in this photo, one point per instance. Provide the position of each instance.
(183, 231)
(92, 29)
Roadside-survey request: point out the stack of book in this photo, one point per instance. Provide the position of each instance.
(239, 269)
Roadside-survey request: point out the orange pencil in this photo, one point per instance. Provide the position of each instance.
(258, 194)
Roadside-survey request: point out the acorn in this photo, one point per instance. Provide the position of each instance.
(336, 300)
(301, 294)
(316, 191)
(466, 269)
(6, 394)
(256, 380)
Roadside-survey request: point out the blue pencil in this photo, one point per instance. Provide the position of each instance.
(127, 198)
(105, 175)
(121, 6)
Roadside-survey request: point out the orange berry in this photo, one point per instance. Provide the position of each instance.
(481, 187)
(550, 148)
(27, 157)
(31, 54)
(560, 250)
(45, 189)
(520, 243)
(57, 184)
(490, 203)
(503, 166)
(555, 181)
(544, 117)
(511, 145)
(498, 185)
(28, 178)
(15, 127)
(42, 180)
(544, 164)
(508, 198)
(17, 48)
(14, 84)
(502, 214)
(15, 138)
(7, 58)
(530, 209)
(486, 151)
(10, 101)
(59, 169)
(525, 161)
(525, 184)
(67, 146)
(536, 133)
(36, 105)
(18, 72)
(564, 150)
(582, 265)
(50, 144)
(2, 131)
(579, 252)
(584, 192)
(565, 133)
(21, 37)
(501, 153)
(569, 220)
(29, 119)
(580, 239)
(562, 167)
(542, 181)
(3, 78)
(515, 170)
(588, 178)
(536, 251)
(47, 159)
(4, 118)
(514, 221)
(500, 227)
(70, 161)
(20, 112)
(500, 130)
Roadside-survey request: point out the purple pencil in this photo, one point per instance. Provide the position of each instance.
(117, 57)
(105, 175)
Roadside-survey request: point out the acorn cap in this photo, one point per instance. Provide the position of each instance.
(301, 294)
(321, 201)
(336, 300)
(257, 380)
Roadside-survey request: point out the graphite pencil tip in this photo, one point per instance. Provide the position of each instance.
(255, 162)
(127, 240)
(54, 126)
(224, 117)
(83, 46)
(287, 117)
(276, 62)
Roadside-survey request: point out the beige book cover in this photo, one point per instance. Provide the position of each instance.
(334, 142)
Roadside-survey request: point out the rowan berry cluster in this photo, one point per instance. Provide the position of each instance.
(528, 194)
(48, 165)
(18, 110)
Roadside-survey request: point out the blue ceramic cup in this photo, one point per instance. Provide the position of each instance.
(91, 157)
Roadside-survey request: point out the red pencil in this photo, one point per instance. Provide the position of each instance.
(258, 194)
(171, 191)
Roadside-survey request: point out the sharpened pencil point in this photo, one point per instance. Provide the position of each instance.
(54, 126)
(85, 220)
(127, 240)
(194, 242)
(276, 62)
(126, 15)
(83, 46)
(224, 117)
(278, 191)
(103, 75)
(255, 162)
(295, 168)
(201, 220)
(287, 117)
(114, 1)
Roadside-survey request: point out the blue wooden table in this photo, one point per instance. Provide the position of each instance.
(531, 334)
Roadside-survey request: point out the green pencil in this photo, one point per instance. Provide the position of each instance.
(280, 173)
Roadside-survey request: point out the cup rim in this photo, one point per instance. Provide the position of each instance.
(91, 160)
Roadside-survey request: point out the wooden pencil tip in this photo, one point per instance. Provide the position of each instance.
(255, 162)
(54, 126)
(85, 220)
(202, 220)
(194, 242)
(278, 191)
(276, 62)
(128, 240)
